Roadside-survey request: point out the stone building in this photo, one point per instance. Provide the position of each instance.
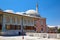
(30, 21)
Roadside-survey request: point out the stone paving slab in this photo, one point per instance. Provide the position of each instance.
(25, 38)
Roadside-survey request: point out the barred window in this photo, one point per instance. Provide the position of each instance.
(13, 27)
(8, 27)
(29, 28)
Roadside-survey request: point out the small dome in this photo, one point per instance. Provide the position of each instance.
(10, 11)
(20, 13)
(32, 13)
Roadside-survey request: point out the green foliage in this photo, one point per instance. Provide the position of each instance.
(59, 30)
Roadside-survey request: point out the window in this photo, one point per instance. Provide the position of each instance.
(41, 29)
(0, 19)
(29, 28)
(7, 19)
(32, 22)
(25, 21)
(0, 26)
(18, 20)
(13, 27)
(8, 27)
(17, 27)
(13, 19)
(28, 21)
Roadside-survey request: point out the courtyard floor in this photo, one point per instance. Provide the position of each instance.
(24, 38)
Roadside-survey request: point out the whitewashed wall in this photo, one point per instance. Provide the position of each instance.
(11, 22)
(10, 32)
(44, 35)
(27, 21)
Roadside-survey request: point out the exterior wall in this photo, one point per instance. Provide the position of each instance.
(8, 20)
(28, 24)
(11, 19)
(41, 25)
(14, 19)
(27, 21)
(45, 35)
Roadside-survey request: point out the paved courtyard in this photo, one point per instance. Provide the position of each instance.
(25, 38)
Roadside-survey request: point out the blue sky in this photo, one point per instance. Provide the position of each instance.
(50, 9)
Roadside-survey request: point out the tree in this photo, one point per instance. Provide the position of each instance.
(59, 30)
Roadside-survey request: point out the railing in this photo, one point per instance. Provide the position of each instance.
(44, 35)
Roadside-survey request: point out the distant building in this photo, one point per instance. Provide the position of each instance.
(52, 29)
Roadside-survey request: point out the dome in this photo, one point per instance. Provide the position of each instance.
(10, 11)
(32, 13)
(20, 13)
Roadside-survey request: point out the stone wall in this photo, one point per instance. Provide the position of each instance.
(44, 35)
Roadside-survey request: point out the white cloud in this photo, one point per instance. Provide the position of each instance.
(58, 26)
(51, 26)
(10, 11)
